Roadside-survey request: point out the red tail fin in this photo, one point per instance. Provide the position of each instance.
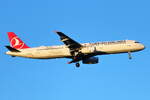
(16, 42)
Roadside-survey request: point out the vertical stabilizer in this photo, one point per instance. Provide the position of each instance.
(15, 41)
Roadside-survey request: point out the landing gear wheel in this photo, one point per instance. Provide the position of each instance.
(129, 55)
(78, 65)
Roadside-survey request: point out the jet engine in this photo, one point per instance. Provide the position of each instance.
(91, 60)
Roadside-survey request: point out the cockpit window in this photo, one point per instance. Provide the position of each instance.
(136, 42)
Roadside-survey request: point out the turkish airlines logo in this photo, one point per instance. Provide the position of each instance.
(16, 43)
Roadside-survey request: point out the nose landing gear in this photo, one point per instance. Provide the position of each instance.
(129, 55)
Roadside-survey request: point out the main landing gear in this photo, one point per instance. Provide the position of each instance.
(77, 56)
(77, 65)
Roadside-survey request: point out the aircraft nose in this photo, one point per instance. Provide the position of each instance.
(142, 46)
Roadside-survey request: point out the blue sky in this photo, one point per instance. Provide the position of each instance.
(114, 78)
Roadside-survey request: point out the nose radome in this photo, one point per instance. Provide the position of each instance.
(142, 46)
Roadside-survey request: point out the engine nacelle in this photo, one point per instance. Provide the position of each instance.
(91, 60)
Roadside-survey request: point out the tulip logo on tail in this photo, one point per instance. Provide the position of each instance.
(16, 43)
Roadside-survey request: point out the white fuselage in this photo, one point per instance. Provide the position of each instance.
(62, 51)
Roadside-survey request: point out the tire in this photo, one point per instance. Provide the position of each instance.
(77, 65)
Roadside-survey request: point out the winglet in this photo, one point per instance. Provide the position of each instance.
(55, 31)
(61, 34)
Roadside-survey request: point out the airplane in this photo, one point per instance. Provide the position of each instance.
(84, 52)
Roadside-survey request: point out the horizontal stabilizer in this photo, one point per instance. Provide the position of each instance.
(12, 49)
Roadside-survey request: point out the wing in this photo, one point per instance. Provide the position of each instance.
(70, 43)
(74, 48)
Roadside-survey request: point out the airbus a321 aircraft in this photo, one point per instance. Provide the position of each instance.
(85, 52)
